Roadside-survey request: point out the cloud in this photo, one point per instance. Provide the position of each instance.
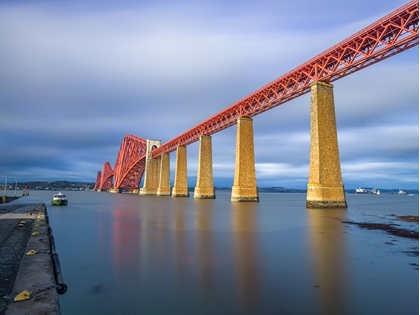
(76, 77)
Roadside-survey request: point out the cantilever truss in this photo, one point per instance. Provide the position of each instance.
(130, 163)
(98, 181)
(106, 177)
(394, 33)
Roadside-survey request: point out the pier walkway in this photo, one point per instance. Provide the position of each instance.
(30, 273)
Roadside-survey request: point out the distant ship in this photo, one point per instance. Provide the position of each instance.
(375, 192)
(401, 192)
(363, 191)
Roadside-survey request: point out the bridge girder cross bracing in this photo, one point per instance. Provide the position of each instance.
(130, 163)
(98, 181)
(106, 177)
(394, 33)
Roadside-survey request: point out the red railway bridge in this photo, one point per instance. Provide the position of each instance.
(390, 35)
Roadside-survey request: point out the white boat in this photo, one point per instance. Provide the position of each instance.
(59, 200)
(363, 191)
(360, 190)
(401, 192)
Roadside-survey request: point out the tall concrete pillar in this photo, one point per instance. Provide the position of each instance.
(180, 188)
(245, 182)
(204, 188)
(164, 188)
(325, 184)
(151, 172)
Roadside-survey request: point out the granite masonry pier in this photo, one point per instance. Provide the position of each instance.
(30, 272)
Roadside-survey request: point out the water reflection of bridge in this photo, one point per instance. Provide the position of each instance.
(210, 251)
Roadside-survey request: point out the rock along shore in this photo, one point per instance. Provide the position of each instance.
(30, 273)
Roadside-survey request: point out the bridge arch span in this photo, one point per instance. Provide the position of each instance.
(130, 163)
(106, 177)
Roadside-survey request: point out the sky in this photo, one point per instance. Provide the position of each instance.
(77, 76)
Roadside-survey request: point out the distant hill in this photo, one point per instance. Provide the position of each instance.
(67, 185)
(57, 185)
(296, 190)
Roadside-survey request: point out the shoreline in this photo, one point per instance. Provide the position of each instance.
(391, 228)
(28, 274)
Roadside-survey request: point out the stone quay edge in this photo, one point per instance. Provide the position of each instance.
(30, 272)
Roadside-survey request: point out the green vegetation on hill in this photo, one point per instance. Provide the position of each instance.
(57, 185)
(67, 185)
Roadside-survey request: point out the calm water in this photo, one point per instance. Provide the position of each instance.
(130, 254)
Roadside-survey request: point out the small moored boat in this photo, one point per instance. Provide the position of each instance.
(59, 200)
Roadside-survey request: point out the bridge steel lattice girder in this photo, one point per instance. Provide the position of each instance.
(98, 181)
(106, 177)
(392, 34)
(130, 163)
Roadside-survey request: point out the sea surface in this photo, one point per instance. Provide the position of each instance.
(131, 254)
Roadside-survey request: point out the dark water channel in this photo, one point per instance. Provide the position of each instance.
(130, 254)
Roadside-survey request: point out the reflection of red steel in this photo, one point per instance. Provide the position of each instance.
(394, 33)
(126, 240)
(388, 36)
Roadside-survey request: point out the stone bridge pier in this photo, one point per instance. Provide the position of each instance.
(152, 170)
(325, 185)
(204, 188)
(245, 182)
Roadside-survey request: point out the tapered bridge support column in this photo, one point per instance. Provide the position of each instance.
(180, 188)
(204, 188)
(164, 188)
(325, 184)
(245, 182)
(151, 172)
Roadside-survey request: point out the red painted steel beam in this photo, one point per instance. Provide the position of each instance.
(98, 181)
(129, 166)
(106, 178)
(394, 33)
